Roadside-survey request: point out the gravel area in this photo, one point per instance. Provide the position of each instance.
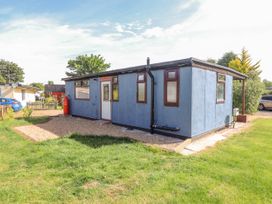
(260, 114)
(62, 126)
(37, 113)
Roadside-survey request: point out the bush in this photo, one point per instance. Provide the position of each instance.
(27, 112)
(267, 92)
(50, 99)
(254, 90)
(9, 114)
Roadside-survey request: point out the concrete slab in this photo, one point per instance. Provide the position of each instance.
(211, 139)
(204, 143)
(36, 133)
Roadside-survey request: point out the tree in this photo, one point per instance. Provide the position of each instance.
(211, 60)
(50, 82)
(226, 58)
(38, 85)
(84, 64)
(254, 86)
(244, 65)
(254, 90)
(10, 72)
(267, 83)
(2, 80)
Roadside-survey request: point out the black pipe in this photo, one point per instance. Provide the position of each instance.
(167, 128)
(152, 96)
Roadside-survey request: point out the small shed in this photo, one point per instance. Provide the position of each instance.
(182, 98)
(55, 90)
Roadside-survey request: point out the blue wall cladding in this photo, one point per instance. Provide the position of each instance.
(127, 111)
(180, 116)
(206, 113)
(196, 114)
(85, 108)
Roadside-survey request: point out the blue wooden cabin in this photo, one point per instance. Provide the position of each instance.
(183, 98)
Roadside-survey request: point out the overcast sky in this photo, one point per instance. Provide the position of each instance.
(42, 35)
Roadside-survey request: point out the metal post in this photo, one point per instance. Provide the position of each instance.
(243, 98)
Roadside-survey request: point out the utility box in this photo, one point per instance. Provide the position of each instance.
(235, 112)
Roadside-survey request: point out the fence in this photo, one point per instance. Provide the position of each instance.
(42, 106)
(3, 111)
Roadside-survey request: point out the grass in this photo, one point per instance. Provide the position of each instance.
(80, 169)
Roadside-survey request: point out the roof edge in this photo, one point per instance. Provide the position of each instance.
(230, 71)
(193, 62)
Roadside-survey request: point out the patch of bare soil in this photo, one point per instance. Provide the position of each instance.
(91, 185)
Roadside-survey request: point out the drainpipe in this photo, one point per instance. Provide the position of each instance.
(152, 96)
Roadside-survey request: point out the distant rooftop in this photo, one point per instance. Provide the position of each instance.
(54, 88)
(18, 85)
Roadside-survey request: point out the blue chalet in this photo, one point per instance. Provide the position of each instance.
(183, 98)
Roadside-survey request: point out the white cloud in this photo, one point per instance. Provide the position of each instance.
(119, 28)
(149, 22)
(43, 46)
(186, 4)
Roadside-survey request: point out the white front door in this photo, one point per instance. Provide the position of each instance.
(106, 100)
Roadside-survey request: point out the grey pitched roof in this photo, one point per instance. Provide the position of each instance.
(193, 62)
(54, 88)
(17, 85)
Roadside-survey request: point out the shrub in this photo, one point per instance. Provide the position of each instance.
(9, 114)
(50, 99)
(267, 92)
(27, 112)
(254, 90)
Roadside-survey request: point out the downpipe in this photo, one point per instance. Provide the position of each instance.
(152, 113)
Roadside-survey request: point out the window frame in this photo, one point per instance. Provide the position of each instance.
(145, 87)
(166, 80)
(112, 87)
(81, 85)
(108, 92)
(218, 81)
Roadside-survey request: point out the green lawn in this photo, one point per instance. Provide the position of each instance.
(108, 170)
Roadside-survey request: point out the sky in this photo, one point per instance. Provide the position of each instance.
(42, 35)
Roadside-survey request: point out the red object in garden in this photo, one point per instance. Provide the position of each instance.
(57, 91)
(66, 106)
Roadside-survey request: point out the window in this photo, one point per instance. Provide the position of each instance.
(269, 98)
(115, 89)
(82, 89)
(171, 87)
(2, 100)
(106, 92)
(141, 88)
(220, 88)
